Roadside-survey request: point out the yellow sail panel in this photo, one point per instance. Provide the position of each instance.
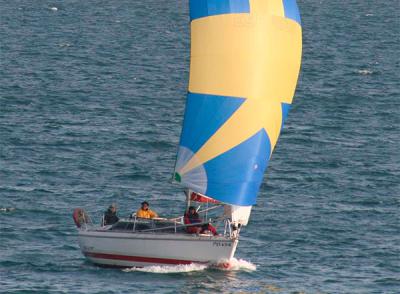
(243, 55)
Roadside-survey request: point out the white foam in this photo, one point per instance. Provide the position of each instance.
(236, 265)
(54, 8)
(365, 72)
(231, 265)
(7, 209)
(169, 269)
(64, 45)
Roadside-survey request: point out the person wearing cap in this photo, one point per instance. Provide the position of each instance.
(110, 216)
(145, 212)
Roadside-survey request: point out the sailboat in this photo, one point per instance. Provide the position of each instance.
(244, 65)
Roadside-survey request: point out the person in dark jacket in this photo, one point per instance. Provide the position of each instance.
(110, 216)
(192, 217)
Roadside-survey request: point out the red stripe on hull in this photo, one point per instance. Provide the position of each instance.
(138, 258)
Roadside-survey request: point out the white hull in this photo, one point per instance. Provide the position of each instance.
(129, 249)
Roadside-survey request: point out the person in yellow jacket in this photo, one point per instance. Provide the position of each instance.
(145, 211)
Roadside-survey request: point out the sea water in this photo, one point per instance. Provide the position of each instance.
(92, 97)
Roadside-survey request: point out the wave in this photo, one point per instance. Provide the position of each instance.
(169, 269)
(236, 265)
(7, 209)
(365, 72)
(231, 265)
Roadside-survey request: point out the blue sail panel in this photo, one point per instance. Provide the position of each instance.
(204, 8)
(204, 115)
(285, 112)
(235, 176)
(292, 10)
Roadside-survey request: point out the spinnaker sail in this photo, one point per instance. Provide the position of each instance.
(245, 62)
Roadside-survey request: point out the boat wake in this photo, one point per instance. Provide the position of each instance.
(231, 265)
(237, 265)
(169, 269)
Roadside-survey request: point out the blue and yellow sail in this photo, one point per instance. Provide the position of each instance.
(245, 62)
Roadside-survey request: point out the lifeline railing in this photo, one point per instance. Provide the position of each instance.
(175, 225)
(87, 221)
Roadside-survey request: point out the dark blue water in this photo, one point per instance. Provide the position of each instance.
(91, 103)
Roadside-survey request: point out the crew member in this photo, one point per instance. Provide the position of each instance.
(192, 217)
(110, 216)
(145, 212)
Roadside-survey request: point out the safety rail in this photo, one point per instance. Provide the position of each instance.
(87, 221)
(175, 225)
